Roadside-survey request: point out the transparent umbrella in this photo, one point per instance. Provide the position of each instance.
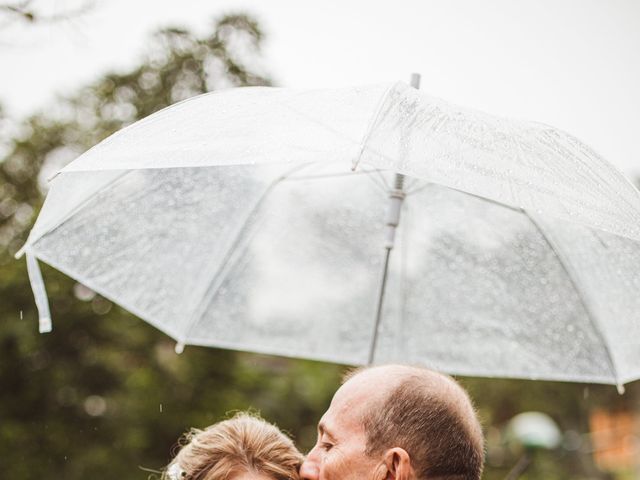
(258, 219)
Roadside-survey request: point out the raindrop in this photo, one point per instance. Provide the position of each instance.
(100, 305)
(83, 293)
(95, 405)
(585, 393)
(160, 408)
(21, 315)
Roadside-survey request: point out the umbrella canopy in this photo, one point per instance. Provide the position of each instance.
(254, 219)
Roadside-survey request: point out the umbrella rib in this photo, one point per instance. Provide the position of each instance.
(370, 175)
(225, 265)
(71, 213)
(374, 119)
(566, 266)
(381, 182)
(411, 190)
(328, 175)
(479, 197)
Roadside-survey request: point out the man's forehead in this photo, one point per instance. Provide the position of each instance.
(337, 424)
(350, 396)
(348, 405)
(368, 385)
(360, 391)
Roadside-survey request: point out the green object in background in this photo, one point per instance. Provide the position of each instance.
(534, 430)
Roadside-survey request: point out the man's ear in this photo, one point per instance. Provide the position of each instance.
(398, 464)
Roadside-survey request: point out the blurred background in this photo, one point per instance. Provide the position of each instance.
(105, 395)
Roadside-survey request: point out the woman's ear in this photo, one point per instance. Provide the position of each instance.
(398, 464)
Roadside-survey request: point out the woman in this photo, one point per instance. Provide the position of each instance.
(242, 448)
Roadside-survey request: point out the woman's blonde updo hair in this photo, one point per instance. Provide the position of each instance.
(242, 444)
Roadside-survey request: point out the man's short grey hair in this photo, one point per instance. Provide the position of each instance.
(429, 415)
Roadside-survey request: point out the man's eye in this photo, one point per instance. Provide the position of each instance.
(326, 446)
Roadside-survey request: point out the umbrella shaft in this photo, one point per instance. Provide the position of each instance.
(376, 326)
(396, 196)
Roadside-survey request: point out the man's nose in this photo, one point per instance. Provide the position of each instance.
(310, 469)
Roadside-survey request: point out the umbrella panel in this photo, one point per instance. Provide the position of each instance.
(150, 239)
(475, 288)
(606, 267)
(304, 280)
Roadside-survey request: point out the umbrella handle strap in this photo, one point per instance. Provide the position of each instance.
(39, 293)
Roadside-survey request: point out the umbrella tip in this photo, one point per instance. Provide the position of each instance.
(415, 80)
(179, 348)
(620, 388)
(44, 324)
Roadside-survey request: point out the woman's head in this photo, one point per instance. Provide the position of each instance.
(242, 448)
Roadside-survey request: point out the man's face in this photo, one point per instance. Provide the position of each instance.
(339, 453)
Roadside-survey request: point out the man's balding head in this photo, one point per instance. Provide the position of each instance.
(396, 422)
(426, 413)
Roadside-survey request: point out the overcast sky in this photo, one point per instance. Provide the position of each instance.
(574, 64)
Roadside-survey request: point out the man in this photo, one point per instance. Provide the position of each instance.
(397, 422)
